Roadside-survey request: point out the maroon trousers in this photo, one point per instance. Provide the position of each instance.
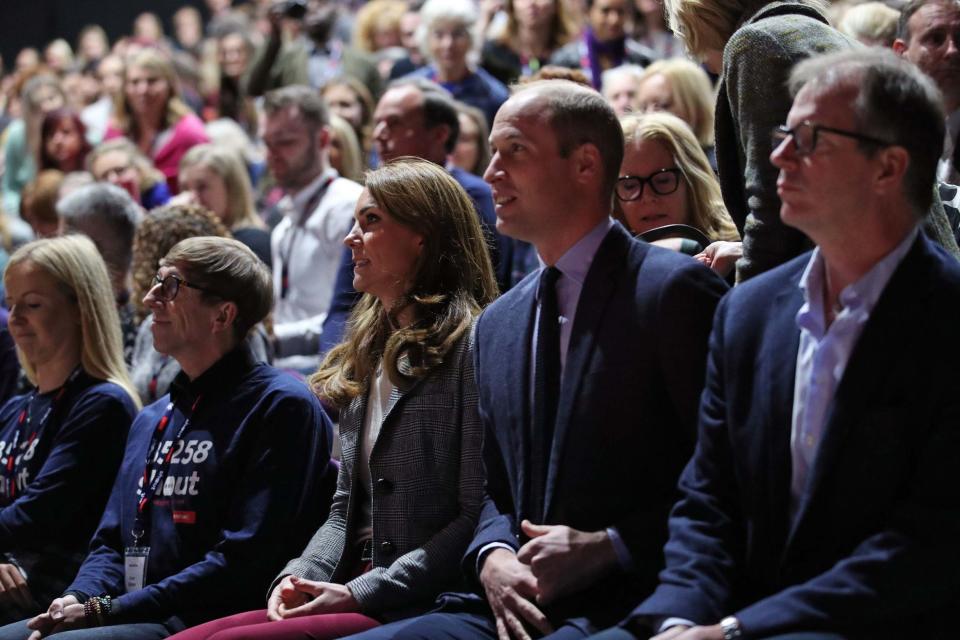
(254, 625)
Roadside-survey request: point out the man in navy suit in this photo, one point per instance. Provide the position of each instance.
(822, 499)
(582, 456)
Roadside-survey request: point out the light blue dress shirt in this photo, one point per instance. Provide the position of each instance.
(825, 350)
(822, 358)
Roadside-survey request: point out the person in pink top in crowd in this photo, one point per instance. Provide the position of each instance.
(150, 112)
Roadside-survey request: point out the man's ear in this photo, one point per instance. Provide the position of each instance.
(893, 164)
(439, 134)
(323, 137)
(226, 316)
(588, 162)
(899, 47)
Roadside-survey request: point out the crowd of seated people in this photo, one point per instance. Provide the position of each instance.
(483, 319)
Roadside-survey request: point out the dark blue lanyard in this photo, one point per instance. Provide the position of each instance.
(157, 469)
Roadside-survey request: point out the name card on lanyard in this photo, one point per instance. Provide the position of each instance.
(135, 557)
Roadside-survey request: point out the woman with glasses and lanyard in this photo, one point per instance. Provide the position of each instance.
(411, 478)
(60, 444)
(222, 479)
(667, 193)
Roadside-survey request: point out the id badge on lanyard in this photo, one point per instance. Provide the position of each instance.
(135, 567)
(135, 557)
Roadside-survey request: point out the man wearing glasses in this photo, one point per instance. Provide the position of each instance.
(223, 479)
(822, 502)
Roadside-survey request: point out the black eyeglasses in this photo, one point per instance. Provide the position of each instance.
(663, 182)
(170, 286)
(805, 136)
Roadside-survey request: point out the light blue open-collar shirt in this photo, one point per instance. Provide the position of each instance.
(825, 351)
(822, 358)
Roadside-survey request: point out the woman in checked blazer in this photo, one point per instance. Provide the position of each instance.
(411, 478)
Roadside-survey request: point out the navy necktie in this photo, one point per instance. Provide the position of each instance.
(546, 392)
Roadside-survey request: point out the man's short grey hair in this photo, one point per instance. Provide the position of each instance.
(307, 101)
(107, 215)
(910, 8)
(439, 107)
(896, 103)
(463, 13)
(615, 73)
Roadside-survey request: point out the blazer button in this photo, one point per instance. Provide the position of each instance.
(386, 547)
(384, 485)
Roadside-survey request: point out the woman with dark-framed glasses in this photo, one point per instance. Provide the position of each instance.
(667, 192)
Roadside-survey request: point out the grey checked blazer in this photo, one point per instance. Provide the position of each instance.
(428, 485)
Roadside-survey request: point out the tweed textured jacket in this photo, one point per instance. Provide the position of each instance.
(752, 100)
(427, 489)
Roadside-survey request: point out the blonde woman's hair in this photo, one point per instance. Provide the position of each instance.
(373, 15)
(563, 27)
(706, 25)
(149, 175)
(452, 281)
(351, 157)
(691, 91)
(74, 262)
(706, 210)
(229, 167)
(155, 61)
(872, 23)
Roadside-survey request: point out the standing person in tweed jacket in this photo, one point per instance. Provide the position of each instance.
(411, 481)
(754, 44)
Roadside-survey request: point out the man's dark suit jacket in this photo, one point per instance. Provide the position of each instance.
(627, 414)
(873, 552)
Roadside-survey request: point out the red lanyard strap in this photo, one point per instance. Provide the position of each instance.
(155, 471)
(12, 466)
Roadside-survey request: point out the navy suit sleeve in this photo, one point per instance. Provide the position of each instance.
(495, 520)
(341, 304)
(706, 541)
(78, 471)
(501, 247)
(906, 568)
(685, 312)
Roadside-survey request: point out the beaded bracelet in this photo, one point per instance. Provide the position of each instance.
(96, 610)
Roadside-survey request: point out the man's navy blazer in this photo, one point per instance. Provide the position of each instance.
(626, 419)
(874, 550)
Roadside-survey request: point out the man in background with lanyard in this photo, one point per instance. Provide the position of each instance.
(318, 212)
